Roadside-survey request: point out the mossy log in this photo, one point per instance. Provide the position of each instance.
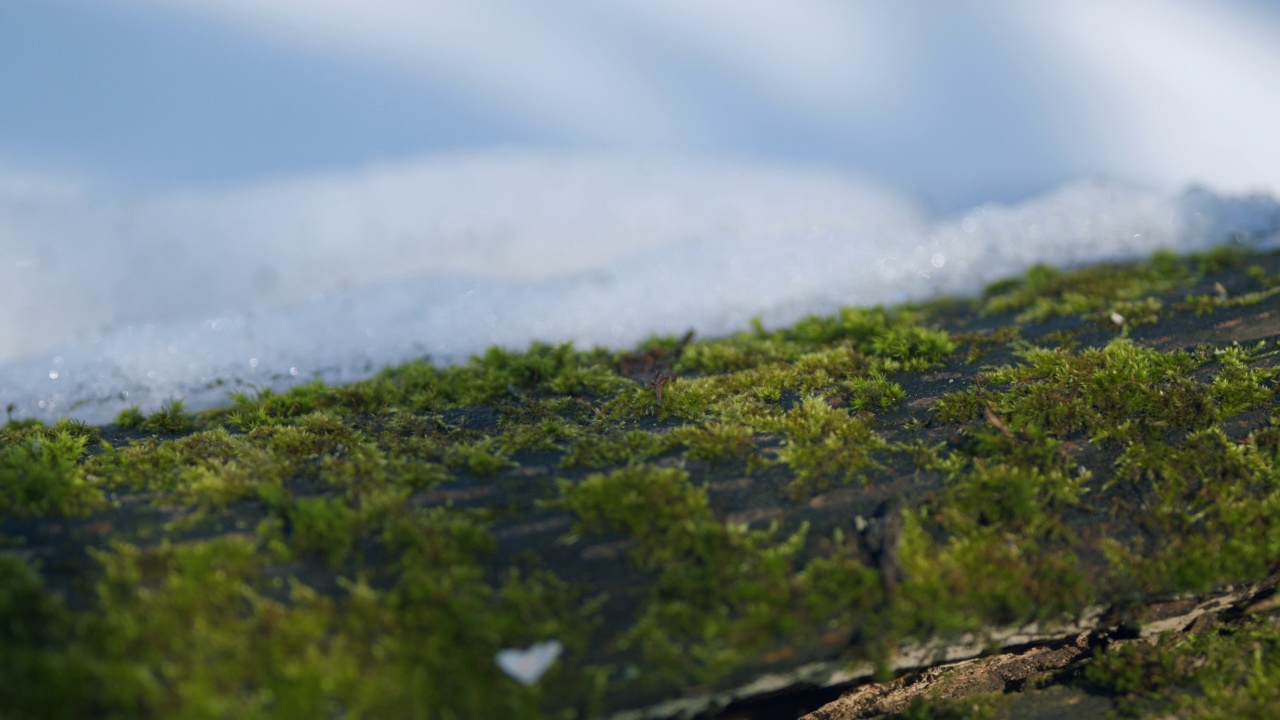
(1074, 458)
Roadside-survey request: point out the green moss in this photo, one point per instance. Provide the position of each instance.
(960, 406)
(1238, 387)
(874, 392)
(861, 328)
(1221, 258)
(365, 550)
(43, 677)
(722, 591)
(740, 352)
(40, 476)
(1022, 500)
(1215, 499)
(1226, 673)
(216, 461)
(716, 441)
(1120, 392)
(838, 586)
(824, 443)
(913, 349)
(981, 578)
(540, 433)
(497, 375)
(1131, 313)
(651, 504)
(1045, 292)
(482, 457)
(17, 432)
(896, 337)
(616, 448)
(131, 418)
(324, 526)
(981, 343)
(208, 629)
(171, 419)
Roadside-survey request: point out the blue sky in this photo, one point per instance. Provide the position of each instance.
(961, 102)
(155, 99)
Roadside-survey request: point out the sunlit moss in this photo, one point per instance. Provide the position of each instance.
(335, 551)
(131, 418)
(1045, 292)
(1118, 392)
(1238, 387)
(825, 444)
(873, 392)
(172, 418)
(40, 475)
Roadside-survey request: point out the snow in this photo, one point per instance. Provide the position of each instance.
(108, 302)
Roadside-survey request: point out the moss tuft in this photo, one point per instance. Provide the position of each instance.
(171, 419)
(41, 476)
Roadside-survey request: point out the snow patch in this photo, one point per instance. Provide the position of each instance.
(109, 303)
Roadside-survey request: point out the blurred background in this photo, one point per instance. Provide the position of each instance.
(200, 192)
(958, 102)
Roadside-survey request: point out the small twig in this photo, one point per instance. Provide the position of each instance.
(998, 424)
(688, 338)
(658, 381)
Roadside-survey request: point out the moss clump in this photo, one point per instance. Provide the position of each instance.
(131, 418)
(171, 419)
(616, 448)
(896, 338)
(1045, 292)
(653, 505)
(1119, 392)
(1237, 387)
(874, 392)
(716, 441)
(39, 475)
(420, 387)
(824, 443)
(1213, 500)
(482, 457)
